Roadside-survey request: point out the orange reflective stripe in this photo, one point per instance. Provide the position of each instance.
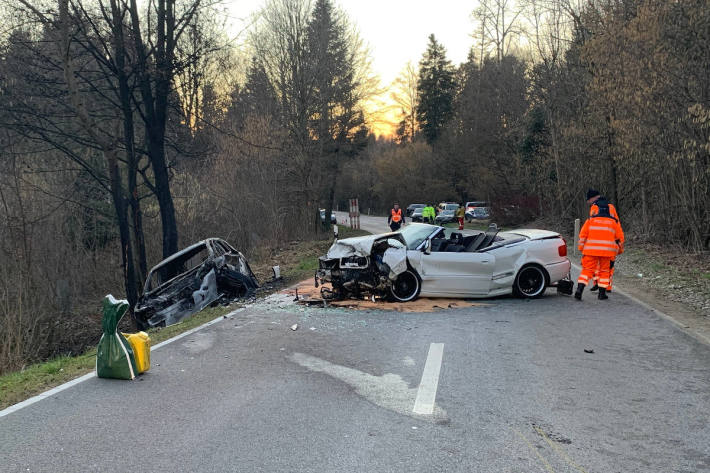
(605, 229)
(599, 247)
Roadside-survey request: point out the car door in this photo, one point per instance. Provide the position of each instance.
(458, 274)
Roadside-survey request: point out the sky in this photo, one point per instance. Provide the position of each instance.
(397, 31)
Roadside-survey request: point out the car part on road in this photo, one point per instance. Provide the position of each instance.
(192, 279)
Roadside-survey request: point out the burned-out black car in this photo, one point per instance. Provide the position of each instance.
(192, 279)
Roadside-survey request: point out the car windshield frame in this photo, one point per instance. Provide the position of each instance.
(167, 270)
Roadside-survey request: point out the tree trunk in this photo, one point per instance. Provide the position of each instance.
(164, 196)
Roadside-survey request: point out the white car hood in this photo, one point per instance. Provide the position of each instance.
(357, 246)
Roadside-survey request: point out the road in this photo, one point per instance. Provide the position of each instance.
(367, 222)
(502, 387)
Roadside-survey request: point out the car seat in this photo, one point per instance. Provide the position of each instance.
(490, 236)
(475, 242)
(439, 244)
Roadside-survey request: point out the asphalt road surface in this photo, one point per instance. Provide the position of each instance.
(502, 387)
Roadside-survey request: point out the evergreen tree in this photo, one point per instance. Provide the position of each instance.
(335, 117)
(436, 88)
(257, 97)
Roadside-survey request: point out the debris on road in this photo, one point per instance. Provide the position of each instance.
(294, 327)
(309, 294)
(588, 350)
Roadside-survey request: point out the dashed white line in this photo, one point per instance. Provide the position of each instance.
(426, 395)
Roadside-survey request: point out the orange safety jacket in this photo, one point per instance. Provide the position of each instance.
(601, 236)
(396, 215)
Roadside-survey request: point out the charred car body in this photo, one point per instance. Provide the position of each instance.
(432, 261)
(192, 279)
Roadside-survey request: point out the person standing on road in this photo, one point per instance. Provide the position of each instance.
(396, 218)
(593, 196)
(600, 240)
(460, 214)
(428, 214)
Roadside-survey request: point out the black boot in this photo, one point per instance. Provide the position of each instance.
(578, 292)
(602, 294)
(595, 287)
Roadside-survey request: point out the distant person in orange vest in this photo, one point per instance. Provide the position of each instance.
(593, 196)
(600, 239)
(396, 218)
(460, 215)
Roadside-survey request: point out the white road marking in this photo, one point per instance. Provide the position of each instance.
(389, 391)
(426, 395)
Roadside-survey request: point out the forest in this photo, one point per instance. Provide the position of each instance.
(130, 129)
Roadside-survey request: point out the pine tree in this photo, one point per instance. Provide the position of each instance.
(436, 88)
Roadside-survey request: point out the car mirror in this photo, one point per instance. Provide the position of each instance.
(427, 247)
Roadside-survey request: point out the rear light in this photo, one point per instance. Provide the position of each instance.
(562, 249)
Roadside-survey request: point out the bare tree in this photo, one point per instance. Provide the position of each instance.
(404, 94)
(500, 23)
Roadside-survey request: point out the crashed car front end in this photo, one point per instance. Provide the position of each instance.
(363, 266)
(191, 280)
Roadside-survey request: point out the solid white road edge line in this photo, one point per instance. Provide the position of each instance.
(426, 395)
(684, 328)
(73, 382)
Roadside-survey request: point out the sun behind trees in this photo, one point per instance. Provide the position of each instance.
(554, 98)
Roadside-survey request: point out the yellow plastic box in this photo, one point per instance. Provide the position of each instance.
(140, 343)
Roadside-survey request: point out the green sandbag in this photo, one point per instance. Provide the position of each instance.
(114, 356)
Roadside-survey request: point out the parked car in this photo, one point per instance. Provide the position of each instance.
(333, 219)
(432, 261)
(446, 216)
(412, 207)
(475, 204)
(192, 279)
(446, 206)
(479, 213)
(417, 215)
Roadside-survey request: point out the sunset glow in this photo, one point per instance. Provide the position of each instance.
(396, 32)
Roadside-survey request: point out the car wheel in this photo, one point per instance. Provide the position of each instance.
(530, 282)
(406, 287)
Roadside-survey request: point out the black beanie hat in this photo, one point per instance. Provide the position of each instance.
(592, 193)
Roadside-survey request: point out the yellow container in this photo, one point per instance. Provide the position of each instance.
(140, 343)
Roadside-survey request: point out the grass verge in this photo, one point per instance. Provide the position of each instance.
(298, 260)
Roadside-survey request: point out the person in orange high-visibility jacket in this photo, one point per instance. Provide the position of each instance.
(396, 218)
(600, 239)
(592, 197)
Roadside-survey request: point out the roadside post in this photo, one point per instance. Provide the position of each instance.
(576, 235)
(354, 214)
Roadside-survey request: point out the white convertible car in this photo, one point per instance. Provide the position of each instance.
(432, 261)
